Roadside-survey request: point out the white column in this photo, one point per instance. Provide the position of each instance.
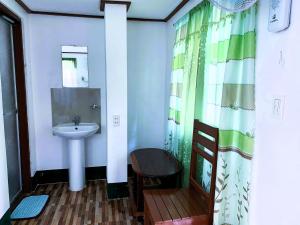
(116, 81)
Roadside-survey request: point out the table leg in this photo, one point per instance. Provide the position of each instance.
(134, 182)
(139, 193)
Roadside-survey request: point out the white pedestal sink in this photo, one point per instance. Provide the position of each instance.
(76, 134)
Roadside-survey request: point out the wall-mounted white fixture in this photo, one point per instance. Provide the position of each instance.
(279, 15)
(76, 134)
(234, 5)
(116, 120)
(278, 107)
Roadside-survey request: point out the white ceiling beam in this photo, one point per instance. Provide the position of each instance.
(124, 2)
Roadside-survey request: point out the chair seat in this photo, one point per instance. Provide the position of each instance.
(176, 206)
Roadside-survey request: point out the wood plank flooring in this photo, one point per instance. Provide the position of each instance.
(89, 206)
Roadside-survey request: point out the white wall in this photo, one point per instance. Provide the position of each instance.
(147, 57)
(48, 34)
(146, 83)
(275, 188)
(116, 87)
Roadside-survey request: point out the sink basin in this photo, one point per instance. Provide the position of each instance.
(75, 135)
(72, 131)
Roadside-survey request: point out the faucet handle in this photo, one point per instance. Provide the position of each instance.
(94, 107)
(76, 119)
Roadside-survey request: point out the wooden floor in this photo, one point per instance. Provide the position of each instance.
(89, 206)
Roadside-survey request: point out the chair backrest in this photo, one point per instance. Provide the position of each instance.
(205, 145)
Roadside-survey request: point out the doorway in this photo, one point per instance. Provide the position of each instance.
(10, 111)
(13, 90)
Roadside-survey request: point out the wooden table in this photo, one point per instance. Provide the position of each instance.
(152, 163)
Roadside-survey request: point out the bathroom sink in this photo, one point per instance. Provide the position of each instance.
(75, 135)
(72, 131)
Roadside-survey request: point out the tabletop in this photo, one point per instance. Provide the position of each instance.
(153, 162)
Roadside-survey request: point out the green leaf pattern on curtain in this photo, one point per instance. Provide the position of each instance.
(213, 80)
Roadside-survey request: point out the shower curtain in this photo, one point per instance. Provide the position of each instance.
(213, 80)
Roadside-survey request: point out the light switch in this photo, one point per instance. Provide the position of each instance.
(278, 107)
(116, 120)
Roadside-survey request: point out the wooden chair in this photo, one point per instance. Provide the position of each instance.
(192, 205)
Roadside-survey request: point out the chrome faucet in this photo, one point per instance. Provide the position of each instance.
(94, 107)
(76, 120)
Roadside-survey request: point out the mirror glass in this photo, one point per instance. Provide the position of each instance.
(75, 66)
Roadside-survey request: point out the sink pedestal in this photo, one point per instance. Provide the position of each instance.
(77, 165)
(76, 135)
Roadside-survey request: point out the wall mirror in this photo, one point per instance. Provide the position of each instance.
(75, 66)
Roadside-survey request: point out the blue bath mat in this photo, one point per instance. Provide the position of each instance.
(30, 207)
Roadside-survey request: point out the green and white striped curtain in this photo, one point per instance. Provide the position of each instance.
(174, 124)
(214, 81)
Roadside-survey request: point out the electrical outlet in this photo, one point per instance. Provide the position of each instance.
(278, 107)
(116, 120)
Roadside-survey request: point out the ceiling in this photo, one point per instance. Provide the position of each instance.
(153, 9)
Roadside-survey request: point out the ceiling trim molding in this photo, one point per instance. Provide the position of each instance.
(103, 2)
(180, 6)
(145, 19)
(66, 14)
(28, 10)
(24, 6)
